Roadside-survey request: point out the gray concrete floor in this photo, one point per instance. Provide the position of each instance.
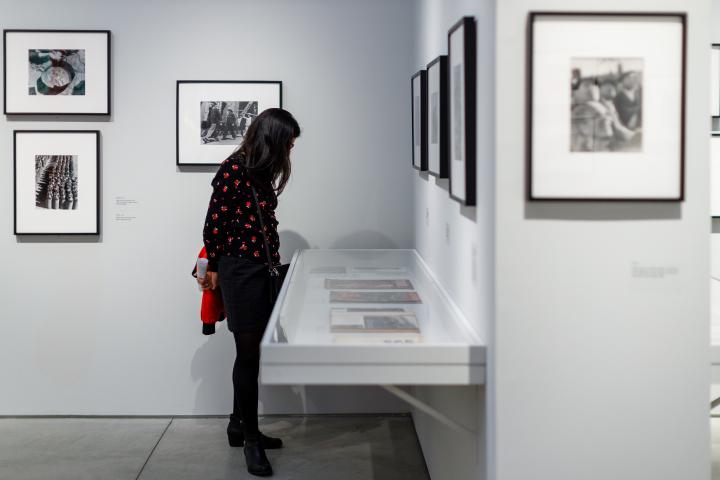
(316, 447)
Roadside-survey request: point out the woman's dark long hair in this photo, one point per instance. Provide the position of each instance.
(265, 150)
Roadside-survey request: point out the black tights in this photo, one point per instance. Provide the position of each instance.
(245, 380)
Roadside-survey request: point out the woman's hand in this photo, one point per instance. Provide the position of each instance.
(210, 282)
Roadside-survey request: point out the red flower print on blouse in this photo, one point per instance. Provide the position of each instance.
(231, 224)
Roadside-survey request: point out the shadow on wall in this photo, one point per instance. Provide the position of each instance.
(469, 212)
(602, 210)
(364, 239)
(290, 242)
(212, 366)
(29, 238)
(196, 168)
(715, 225)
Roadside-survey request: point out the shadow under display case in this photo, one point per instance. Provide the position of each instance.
(352, 317)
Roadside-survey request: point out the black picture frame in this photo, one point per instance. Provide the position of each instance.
(108, 102)
(440, 63)
(532, 16)
(422, 165)
(96, 231)
(178, 83)
(469, 61)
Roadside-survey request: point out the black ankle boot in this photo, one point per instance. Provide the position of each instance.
(236, 436)
(235, 432)
(256, 460)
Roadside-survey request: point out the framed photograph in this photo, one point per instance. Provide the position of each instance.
(56, 176)
(51, 72)
(461, 78)
(606, 109)
(715, 175)
(437, 146)
(418, 87)
(213, 116)
(715, 80)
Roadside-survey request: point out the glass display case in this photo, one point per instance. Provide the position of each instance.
(349, 317)
(715, 340)
(715, 322)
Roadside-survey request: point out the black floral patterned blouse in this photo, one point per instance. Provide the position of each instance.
(231, 225)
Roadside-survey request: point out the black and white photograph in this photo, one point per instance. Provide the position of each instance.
(213, 116)
(373, 297)
(416, 118)
(458, 127)
(437, 117)
(606, 110)
(359, 320)
(225, 122)
(379, 271)
(461, 104)
(56, 182)
(418, 88)
(606, 104)
(367, 284)
(57, 72)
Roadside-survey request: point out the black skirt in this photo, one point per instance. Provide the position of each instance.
(245, 287)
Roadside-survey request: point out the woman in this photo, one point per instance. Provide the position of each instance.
(243, 201)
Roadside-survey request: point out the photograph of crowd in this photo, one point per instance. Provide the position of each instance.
(458, 147)
(606, 104)
(56, 182)
(435, 118)
(56, 72)
(225, 123)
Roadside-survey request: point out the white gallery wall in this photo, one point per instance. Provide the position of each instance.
(599, 371)
(109, 325)
(457, 242)
(715, 236)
